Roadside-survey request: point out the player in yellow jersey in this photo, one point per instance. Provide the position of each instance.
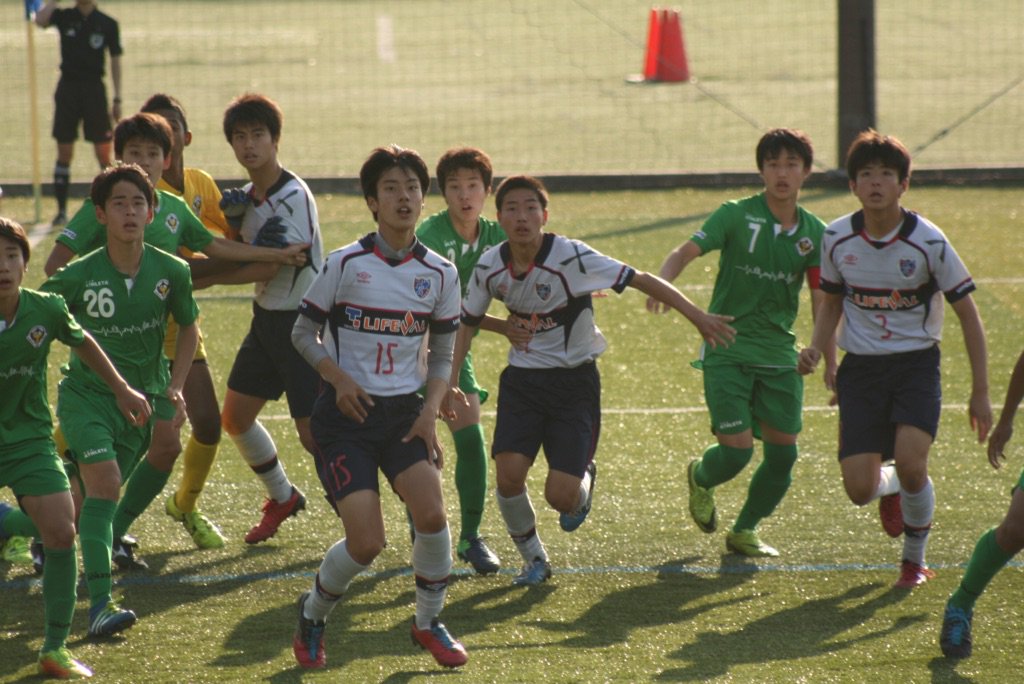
(202, 195)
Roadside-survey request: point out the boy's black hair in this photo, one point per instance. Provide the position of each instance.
(465, 158)
(383, 159)
(103, 184)
(521, 181)
(162, 102)
(145, 126)
(254, 108)
(779, 140)
(871, 147)
(15, 232)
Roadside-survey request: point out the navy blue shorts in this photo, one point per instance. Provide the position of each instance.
(557, 408)
(348, 454)
(877, 393)
(267, 364)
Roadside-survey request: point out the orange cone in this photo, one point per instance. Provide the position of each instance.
(671, 62)
(653, 44)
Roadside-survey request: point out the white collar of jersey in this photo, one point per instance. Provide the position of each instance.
(788, 233)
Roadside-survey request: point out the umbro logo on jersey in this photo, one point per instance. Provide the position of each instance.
(172, 222)
(421, 286)
(363, 277)
(850, 259)
(36, 336)
(163, 288)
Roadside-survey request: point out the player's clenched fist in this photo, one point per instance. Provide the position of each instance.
(808, 362)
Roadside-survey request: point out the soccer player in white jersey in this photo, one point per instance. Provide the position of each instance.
(375, 307)
(885, 271)
(549, 395)
(275, 207)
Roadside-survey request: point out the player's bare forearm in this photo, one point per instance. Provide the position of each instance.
(674, 263)
(59, 257)
(713, 328)
(349, 396)
(232, 250)
(463, 342)
(829, 350)
(977, 353)
(205, 272)
(184, 351)
(115, 78)
(828, 312)
(44, 13)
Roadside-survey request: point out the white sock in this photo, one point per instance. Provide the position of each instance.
(432, 564)
(918, 511)
(521, 523)
(337, 570)
(257, 449)
(584, 492)
(888, 483)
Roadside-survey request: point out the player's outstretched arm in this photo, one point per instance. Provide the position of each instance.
(674, 263)
(133, 405)
(292, 255)
(980, 410)
(1003, 430)
(714, 328)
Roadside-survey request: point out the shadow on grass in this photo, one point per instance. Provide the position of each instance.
(677, 595)
(944, 671)
(809, 629)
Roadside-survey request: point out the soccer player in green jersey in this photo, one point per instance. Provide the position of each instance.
(769, 244)
(29, 323)
(145, 139)
(460, 234)
(998, 545)
(123, 294)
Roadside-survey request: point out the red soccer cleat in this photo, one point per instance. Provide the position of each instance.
(447, 651)
(891, 513)
(274, 514)
(913, 575)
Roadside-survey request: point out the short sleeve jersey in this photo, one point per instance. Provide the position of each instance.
(24, 345)
(761, 269)
(202, 196)
(377, 311)
(438, 233)
(892, 288)
(127, 317)
(83, 40)
(173, 226)
(553, 296)
(290, 199)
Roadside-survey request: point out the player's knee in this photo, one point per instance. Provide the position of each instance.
(860, 495)
(59, 536)
(231, 424)
(206, 428)
(364, 551)
(562, 499)
(430, 522)
(1010, 535)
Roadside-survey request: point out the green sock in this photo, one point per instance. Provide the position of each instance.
(94, 533)
(988, 559)
(720, 464)
(16, 523)
(60, 575)
(470, 477)
(769, 484)
(143, 486)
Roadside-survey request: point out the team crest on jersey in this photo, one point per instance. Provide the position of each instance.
(421, 286)
(163, 288)
(908, 267)
(197, 205)
(172, 223)
(543, 291)
(36, 336)
(96, 41)
(804, 246)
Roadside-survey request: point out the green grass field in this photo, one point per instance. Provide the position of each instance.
(639, 594)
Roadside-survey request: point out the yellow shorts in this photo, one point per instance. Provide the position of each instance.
(171, 340)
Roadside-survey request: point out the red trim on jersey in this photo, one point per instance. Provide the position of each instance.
(814, 277)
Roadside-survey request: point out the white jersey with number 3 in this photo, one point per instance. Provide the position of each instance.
(892, 288)
(552, 297)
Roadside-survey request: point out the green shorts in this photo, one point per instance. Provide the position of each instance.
(743, 397)
(467, 379)
(33, 468)
(96, 431)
